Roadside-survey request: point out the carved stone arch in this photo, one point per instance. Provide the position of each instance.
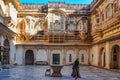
(102, 57)
(83, 56)
(29, 57)
(41, 55)
(59, 11)
(70, 53)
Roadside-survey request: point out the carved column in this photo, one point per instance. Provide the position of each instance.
(64, 55)
(35, 53)
(77, 52)
(108, 55)
(48, 55)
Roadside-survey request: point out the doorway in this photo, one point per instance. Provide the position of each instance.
(6, 53)
(56, 59)
(115, 57)
(102, 58)
(29, 57)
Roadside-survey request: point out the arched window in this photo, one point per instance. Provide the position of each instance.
(84, 26)
(62, 25)
(102, 17)
(119, 3)
(71, 27)
(92, 57)
(109, 11)
(62, 22)
(82, 58)
(51, 25)
(70, 58)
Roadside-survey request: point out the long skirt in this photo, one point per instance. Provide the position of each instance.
(75, 73)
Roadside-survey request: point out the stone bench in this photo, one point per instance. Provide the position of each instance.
(41, 63)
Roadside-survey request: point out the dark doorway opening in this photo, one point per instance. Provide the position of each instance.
(29, 57)
(115, 57)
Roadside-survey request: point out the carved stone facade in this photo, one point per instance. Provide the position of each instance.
(105, 33)
(46, 53)
(58, 33)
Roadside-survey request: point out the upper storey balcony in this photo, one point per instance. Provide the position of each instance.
(56, 36)
(107, 27)
(9, 22)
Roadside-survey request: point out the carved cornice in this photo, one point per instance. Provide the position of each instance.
(16, 3)
(21, 15)
(6, 30)
(58, 11)
(111, 38)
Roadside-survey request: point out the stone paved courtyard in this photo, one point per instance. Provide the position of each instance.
(38, 73)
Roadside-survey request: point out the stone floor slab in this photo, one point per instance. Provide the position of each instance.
(38, 73)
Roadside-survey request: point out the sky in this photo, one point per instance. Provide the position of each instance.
(66, 1)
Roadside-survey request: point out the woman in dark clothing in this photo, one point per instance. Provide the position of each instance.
(75, 72)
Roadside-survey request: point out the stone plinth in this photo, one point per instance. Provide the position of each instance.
(56, 70)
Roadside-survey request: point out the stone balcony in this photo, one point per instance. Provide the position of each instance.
(57, 36)
(9, 22)
(104, 25)
(97, 27)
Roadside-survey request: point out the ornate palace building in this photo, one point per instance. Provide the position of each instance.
(58, 33)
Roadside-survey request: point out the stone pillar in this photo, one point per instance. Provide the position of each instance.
(48, 56)
(76, 52)
(35, 53)
(20, 55)
(12, 52)
(88, 52)
(108, 55)
(64, 56)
